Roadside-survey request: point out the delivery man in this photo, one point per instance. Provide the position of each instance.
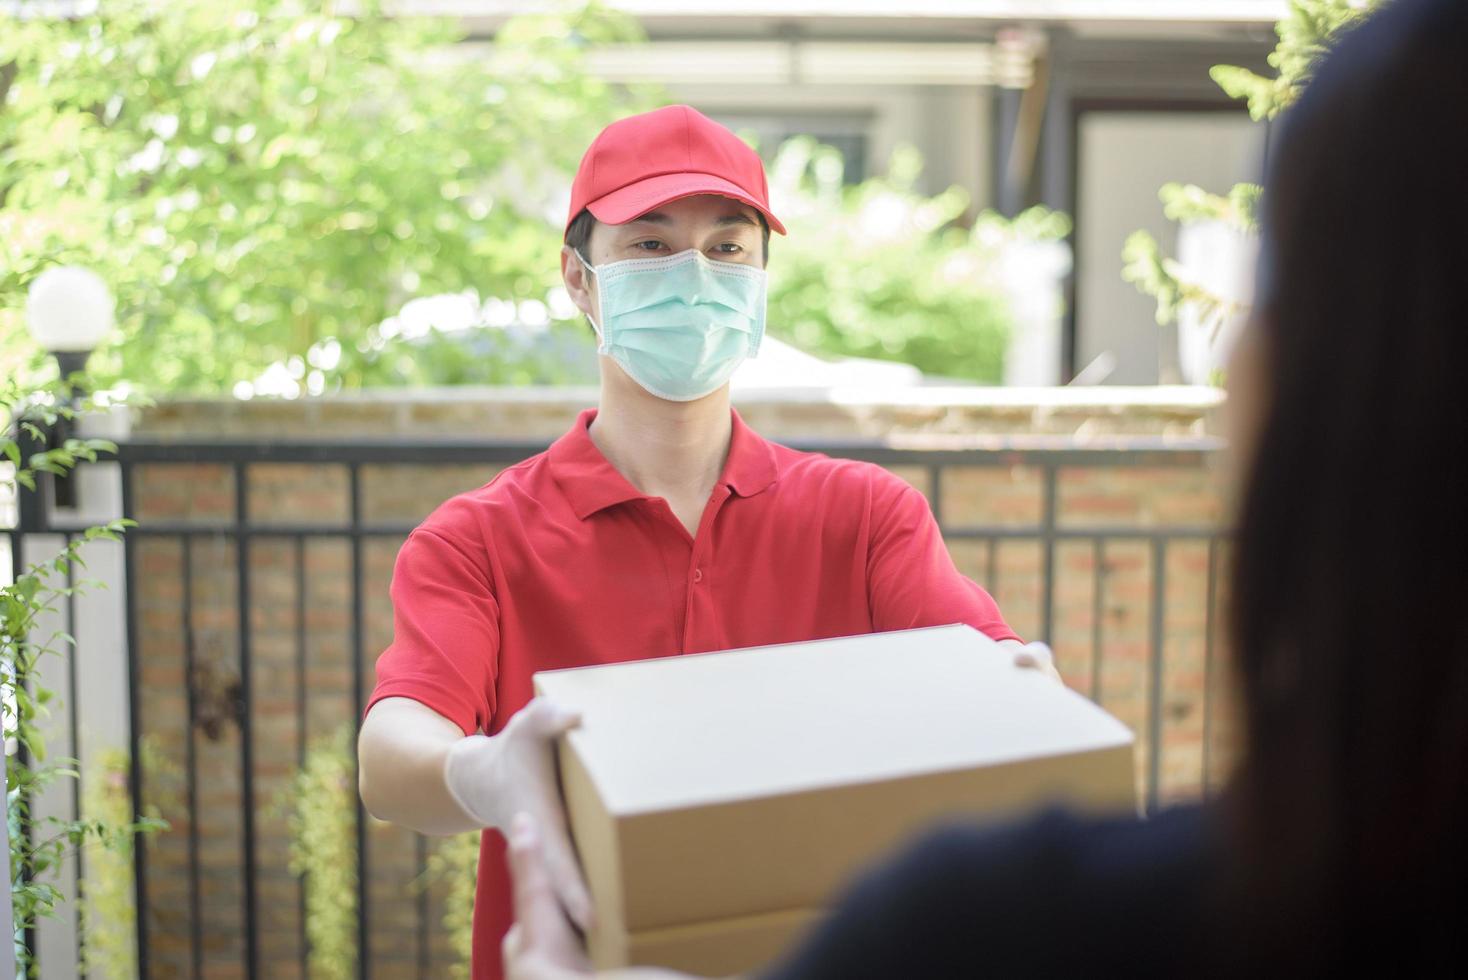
(660, 524)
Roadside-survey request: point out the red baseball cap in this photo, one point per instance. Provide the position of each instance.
(641, 162)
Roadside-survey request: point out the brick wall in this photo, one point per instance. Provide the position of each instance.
(300, 592)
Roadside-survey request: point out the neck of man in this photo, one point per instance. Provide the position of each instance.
(673, 450)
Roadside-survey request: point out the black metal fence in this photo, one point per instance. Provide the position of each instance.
(182, 928)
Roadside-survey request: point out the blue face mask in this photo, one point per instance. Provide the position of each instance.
(679, 324)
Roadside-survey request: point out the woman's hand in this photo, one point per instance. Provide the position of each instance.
(541, 945)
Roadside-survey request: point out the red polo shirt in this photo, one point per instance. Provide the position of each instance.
(560, 562)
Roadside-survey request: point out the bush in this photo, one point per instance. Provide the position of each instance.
(322, 807)
(454, 863)
(878, 270)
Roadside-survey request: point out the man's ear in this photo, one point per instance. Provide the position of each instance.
(577, 280)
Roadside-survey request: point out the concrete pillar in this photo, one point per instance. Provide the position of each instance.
(90, 677)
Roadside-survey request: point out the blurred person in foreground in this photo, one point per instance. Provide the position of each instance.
(1339, 845)
(660, 524)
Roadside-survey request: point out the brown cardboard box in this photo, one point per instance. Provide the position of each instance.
(720, 801)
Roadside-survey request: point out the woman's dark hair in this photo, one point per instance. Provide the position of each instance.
(1350, 642)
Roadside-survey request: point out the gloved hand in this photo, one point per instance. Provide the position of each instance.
(492, 778)
(1034, 656)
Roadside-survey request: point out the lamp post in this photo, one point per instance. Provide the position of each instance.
(68, 311)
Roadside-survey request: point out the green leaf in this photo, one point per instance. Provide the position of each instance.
(1241, 83)
(1144, 266)
(1307, 32)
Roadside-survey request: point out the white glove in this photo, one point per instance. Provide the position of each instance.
(1035, 656)
(492, 778)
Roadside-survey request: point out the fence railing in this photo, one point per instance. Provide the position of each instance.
(256, 602)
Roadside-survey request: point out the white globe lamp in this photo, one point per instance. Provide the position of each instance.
(69, 310)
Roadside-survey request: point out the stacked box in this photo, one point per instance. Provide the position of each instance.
(719, 802)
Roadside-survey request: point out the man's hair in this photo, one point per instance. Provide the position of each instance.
(579, 234)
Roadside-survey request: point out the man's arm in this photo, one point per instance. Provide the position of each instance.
(401, 750)
(911, 579)
(421, 763)
(418, 769)
(913, 582)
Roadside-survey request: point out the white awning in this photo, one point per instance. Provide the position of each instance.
(813, 62)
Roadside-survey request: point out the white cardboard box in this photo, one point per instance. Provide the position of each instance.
(720, 801)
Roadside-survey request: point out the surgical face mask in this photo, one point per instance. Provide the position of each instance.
(679, 324)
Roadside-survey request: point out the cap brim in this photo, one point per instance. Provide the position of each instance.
(626, 203)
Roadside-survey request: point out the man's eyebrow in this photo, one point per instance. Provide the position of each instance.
(651, 218)
(735, 219)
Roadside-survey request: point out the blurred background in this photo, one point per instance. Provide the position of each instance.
(295, 198)
(279, 277)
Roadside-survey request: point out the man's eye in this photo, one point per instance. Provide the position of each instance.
(651, 245)
(730, 248)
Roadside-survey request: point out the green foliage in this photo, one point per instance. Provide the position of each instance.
(878, 270)
(1144, 265)
(38, 845)
(321, 808)
(1167, 282)
(455, 863)
(322, 802)
(255, 177)
(1305, 34)
(109, 912)
(1188, 203)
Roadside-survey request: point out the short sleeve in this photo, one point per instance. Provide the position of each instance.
(445, 647)
(911, 579)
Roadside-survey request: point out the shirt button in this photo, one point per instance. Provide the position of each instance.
(697, 575)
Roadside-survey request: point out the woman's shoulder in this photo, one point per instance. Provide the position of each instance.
(1109, 851)
(1052, 894)
(1095, 867)
(1061, 837)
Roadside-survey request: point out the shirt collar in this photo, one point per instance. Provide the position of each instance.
(592, 484)
(750, 468)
